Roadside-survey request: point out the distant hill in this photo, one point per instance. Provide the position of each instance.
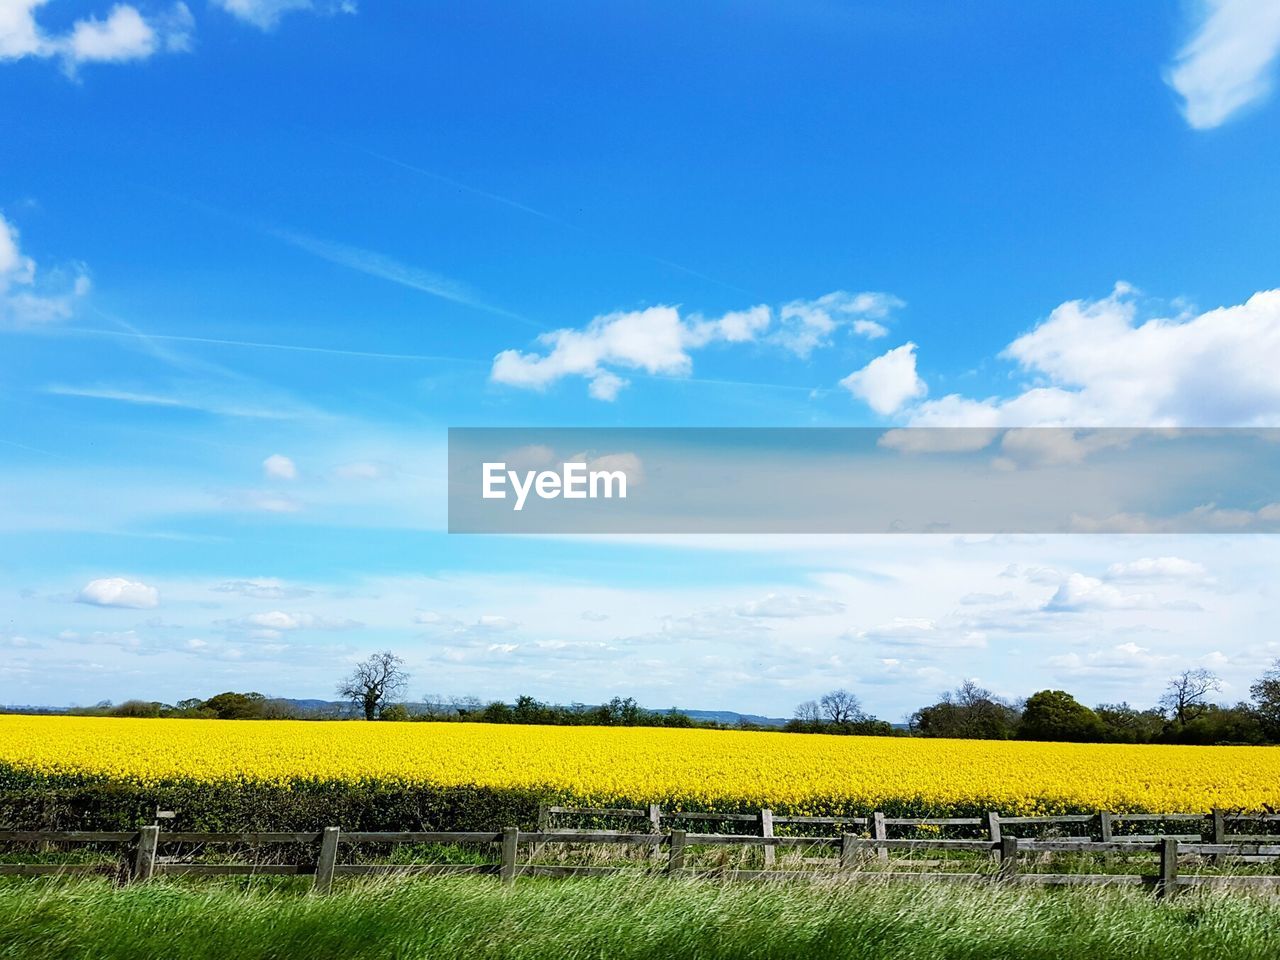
(729, 717)
(342, 708)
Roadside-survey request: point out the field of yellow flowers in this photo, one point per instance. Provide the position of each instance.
(696, 769)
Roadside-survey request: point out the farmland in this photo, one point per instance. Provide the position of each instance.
(690, 769)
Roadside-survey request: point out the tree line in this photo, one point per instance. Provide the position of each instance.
(1187, 712)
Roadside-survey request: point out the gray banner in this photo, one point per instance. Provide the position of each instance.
(863, 480)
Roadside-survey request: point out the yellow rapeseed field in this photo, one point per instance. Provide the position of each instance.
(706, 769)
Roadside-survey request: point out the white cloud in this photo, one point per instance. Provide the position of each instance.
(1124, 663)
(655, 340)
(485, 623)
(265, 14)
(1229, 62)
(889, 381)
(25, 300)
(924, 634)
(262, 588)
(279, 467)
(1092, 364)
(124, 34)
(658, 340)
(119, 592)
(808, 324)
(1157, 569)
(785, 606)
(1079, 593)
(273, 623)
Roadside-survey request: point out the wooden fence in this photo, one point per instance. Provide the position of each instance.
(848, 854)
(1212, 827)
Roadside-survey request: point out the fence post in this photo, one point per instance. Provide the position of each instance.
(1167, 883)
(655, 826)
(766, 830)
(144, 861)
(675, 861)
(1218, 826)
(544, 818)
(327, 860)
(848, 852)
(1104, 826)
(879, 832)
(1008, 854)
(510, 847)
(994, 834)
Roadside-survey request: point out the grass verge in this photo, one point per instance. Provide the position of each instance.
(623, 918)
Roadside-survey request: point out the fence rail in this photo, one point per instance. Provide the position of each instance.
(849, 852)
(1213, 825)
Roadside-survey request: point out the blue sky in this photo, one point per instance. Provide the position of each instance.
(322, 233)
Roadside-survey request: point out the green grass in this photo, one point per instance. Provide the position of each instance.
(622, 918)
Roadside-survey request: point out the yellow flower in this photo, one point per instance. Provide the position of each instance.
(694, 769)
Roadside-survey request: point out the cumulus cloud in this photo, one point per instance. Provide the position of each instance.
(279, 467)
(119, 592)
(889, 381)
(1079, 593)
(656, 340)
(123, 34)
(659, 340)
(28, 300)
(1093, 364)
(1229, 62)
(265, 14)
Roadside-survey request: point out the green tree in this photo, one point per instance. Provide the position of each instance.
(1122, 723)
(1057, 715)
(970, 713)
(235, 706)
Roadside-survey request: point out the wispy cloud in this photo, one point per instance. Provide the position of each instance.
(266, 14)
(534, 212)
(202, 401)
(1228, 63)
(256, 345)
(387, 268)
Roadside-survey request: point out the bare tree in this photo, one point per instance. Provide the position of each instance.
(1187, 695)
(841, 706)
(374, 683)
(808, 712)
(1266, 698)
